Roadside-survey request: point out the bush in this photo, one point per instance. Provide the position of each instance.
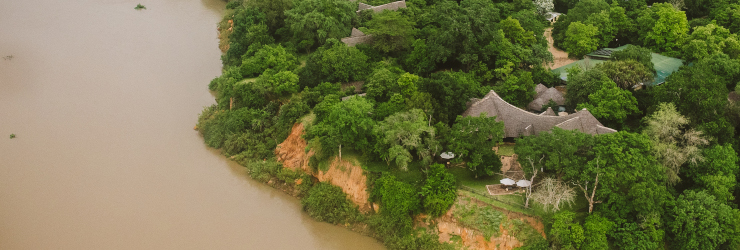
(566, 233)
(485, 219)
(233, 4)
(273, 57)
(326, 202)
(399, 202)
(289, 176)
(439, 191)
(263, 170)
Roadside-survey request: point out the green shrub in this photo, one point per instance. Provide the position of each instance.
(399, 201)
(233, 4)
(439, 191)
(273, 57)
(485, 219)
(565, 232)
(326, 202)
(305, 186)
(12, 136)
(139, 6)
(289, 176)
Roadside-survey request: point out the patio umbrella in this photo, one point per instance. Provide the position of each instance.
(447, 155)
(523, 183)
(507, 182)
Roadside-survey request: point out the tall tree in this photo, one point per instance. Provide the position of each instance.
(268, 57)
(611, 103)
(391, 30)
(347, 124)
(402, 133)
(515, 33)
(472, 139)
(274, 11)
(450, 92)
(580, 39)
(673, 146)
(700, 92)
(580, 12)
(717, 174)
(637, 53)
(663, 27)
(314, 21)
(700, 222)
(517, 89)
(708, 40)
(335, 62)
(581, 84)
(626, 74)
(728, 17)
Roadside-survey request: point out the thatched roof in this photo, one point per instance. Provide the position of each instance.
(539, 89)
(352, 96)
(544, 97)
(733, 97)
(518, 122)
(357, 37)
(389, 6)
(356, 33)
(549, 112)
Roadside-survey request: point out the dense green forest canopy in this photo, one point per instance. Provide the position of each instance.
(666, 180)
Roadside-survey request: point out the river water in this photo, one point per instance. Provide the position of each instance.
(103, 99)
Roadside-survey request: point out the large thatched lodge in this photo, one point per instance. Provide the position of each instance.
(518, 122)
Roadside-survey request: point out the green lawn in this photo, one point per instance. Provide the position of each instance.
(467, 178)
(506, 149)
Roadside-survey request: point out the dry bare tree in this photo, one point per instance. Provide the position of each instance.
(528, 194)
(551, 193)
(672, 146)
(584, 187)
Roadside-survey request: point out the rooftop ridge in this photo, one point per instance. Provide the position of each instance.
(518, 122)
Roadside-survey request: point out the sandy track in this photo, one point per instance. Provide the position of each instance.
(560, 57)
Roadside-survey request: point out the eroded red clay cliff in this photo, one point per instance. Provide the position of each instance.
(349, 177)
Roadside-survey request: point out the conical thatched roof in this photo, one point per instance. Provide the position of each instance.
(544, 97)
(549, 112)
(539, 89)
(356, 33)
(518, 122)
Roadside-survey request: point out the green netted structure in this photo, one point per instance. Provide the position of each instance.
(664, 66)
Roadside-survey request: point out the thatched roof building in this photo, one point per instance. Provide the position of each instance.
(389, 6)
(518, 122)
(357, 37)
(549, 112)
(543, 97)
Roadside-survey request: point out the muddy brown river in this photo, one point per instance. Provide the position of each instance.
(103, 99)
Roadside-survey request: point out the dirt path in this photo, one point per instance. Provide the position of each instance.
(560, 57)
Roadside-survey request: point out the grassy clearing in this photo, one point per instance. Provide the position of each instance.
(506, 149)
(501, 202)
(414, 175)
(485, 219)
(467, 178)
